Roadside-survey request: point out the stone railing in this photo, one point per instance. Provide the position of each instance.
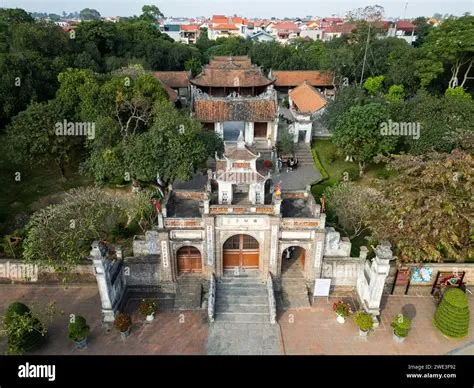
(212, 298)
(271, 299)
(270, 93)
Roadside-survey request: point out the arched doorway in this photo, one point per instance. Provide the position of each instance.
(189, 260)
(241, 251)
(292, 260)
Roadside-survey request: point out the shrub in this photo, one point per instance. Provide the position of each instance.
(23, 329)
(452, 314)
(401, 324)
(383, 174)
(147, 307)
(78, 328)
(351, 174)
(122, 322)
(363, 321)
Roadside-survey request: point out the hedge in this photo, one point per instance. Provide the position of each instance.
(319, 165)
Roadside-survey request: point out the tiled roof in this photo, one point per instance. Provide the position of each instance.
(294, 78)
(231, 72)
(171, 93)
(405, 25)
(287, 26)
(256, 110)
(174, 79)
(189, 27)
(237, 154)
(226, 26)
(307, 99)
(241, 177)
(341, 28)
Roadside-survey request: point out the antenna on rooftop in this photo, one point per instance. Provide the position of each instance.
(405, 11)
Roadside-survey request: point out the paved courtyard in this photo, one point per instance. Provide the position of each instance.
(170, 333)
(300, 331)
(316, 331)
(244, 339)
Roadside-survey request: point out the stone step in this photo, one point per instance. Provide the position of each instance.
(237, 280)
(231, 286)
(241, 309)
(241, 299)
(245, 273)
(241, 291)
(242, 318)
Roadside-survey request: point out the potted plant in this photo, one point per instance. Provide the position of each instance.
(401, 324)
(78, 331)
(364, 322)
(123, 323)
(147, 308)
(342, 310)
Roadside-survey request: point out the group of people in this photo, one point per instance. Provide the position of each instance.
(291, 164)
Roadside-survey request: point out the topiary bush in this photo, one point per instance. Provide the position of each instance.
(452, 314)
(78, 328)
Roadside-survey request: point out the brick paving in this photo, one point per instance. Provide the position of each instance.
(303, 331)
(316, 331)
(170, 333)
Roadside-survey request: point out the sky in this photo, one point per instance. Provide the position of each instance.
(246, 8)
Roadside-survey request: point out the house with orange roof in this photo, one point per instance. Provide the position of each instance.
(225, 26)
(284, 31)
(336, 31)
(189, 33)
(403, 29)
(306, 104)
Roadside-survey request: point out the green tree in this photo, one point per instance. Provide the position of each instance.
(425, 207)
(33, 140)
(151, 13)
(448, 45)
(458, 93)
(89, 14)
(194, 66)
(358, 133)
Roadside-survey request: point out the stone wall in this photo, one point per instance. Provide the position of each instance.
(142, 271)
(343, 271)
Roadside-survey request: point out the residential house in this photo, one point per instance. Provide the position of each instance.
(285, 31)
(189, 33)
(262, 36)
(338, 30)
(403, 29)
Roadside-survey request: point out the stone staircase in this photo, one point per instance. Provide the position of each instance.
(304, 155)
(241, 298)
(294, 293)
(188, 292)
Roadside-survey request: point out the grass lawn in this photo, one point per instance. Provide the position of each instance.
(37, 187)
(335, 166)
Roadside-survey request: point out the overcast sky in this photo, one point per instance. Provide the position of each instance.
(249, 8)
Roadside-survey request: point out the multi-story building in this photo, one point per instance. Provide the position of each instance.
(232, 95)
